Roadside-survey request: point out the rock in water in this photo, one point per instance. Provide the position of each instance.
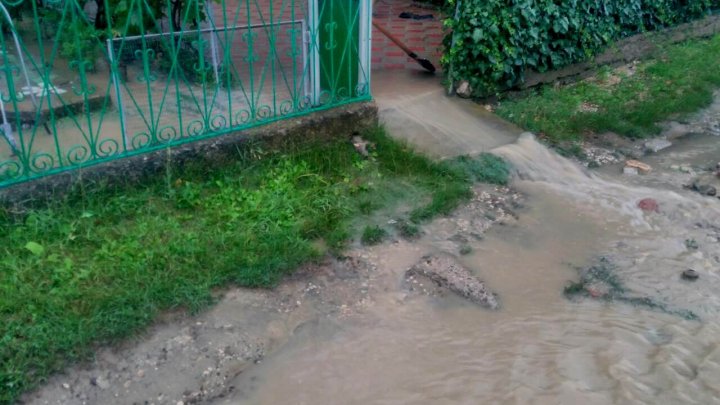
(463, 89)
(447, 273)
(641, 167)
(690, 275)
(630, 171)
(656, 145)
(648, 205)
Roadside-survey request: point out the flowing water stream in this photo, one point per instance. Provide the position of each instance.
(540, 348)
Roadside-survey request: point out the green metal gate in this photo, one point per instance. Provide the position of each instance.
(89, 81)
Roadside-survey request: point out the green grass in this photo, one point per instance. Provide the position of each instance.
(102, 262)
(373, 235)
(678, 81)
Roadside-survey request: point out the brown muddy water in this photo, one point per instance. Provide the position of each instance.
(540, 347)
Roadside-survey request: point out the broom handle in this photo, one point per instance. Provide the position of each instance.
(396, 41)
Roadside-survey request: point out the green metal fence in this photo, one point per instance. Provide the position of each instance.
(88, 81)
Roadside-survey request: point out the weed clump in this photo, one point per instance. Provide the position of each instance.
(373, 235)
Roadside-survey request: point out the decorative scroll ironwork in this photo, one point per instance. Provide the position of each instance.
(88, 81)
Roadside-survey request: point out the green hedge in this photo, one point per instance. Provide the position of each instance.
(497, 41)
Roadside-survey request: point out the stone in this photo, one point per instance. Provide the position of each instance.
(656, 145)
(709, 191)
(704, 189)
(641, 167)
(690, 275)
(648, 205)
(361, 146)
(446, 272)
(100, 382)
(463, 89)
(630, 171)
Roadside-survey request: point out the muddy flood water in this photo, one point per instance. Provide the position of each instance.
(540, 347)
(356, 330)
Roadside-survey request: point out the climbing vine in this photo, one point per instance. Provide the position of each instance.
(493, 43)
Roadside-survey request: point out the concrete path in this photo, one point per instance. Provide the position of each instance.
(413, 107)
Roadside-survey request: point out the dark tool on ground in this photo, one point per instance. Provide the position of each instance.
(426, 64)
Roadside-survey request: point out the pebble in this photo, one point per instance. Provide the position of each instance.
(690, 275)
(101, 383)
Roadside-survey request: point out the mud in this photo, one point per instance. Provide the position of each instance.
(199, 359)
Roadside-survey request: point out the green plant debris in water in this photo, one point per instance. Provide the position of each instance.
(600, 281)
(408, 230)
(679, 80)
(100, 263)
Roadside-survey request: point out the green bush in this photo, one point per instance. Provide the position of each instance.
(498, 41)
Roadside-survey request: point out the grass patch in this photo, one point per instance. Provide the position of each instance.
(680, 80)
(373, 235)
(102, 262)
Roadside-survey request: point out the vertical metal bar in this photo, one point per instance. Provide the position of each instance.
(118, 92)
(48, 87)
(272, 44)
(175, 70)
(251, 61)
(314, 39)
(305, 62)
(227, 64)
(364, 47)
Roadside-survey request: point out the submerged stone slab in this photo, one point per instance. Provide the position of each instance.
(447, 273)
(656, 145)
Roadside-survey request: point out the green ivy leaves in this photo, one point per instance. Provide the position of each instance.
(497, 41)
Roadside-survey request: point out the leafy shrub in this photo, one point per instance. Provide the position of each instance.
(498, 41)
(80, 43)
